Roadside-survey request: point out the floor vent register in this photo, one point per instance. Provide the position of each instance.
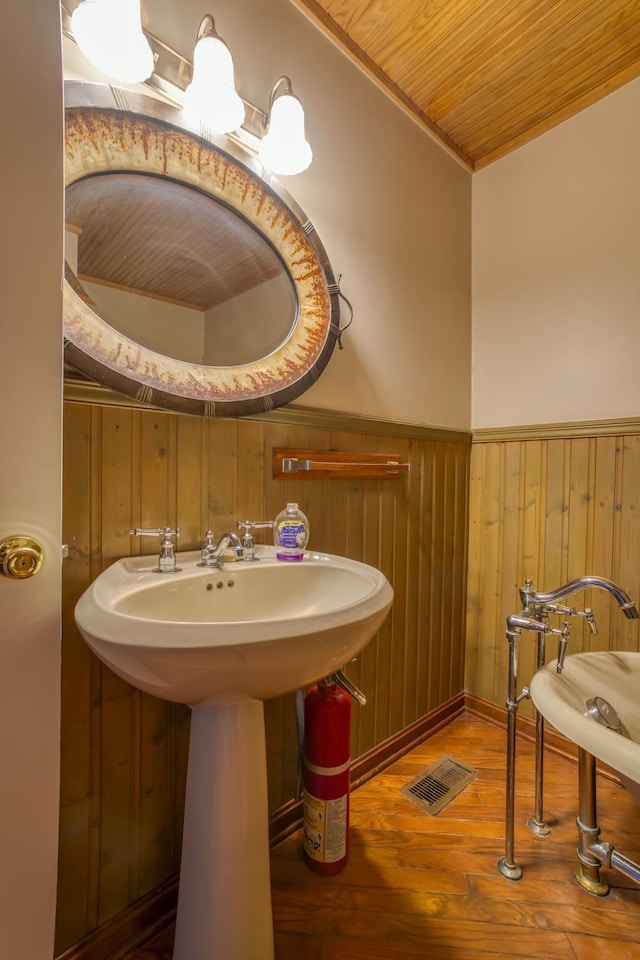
(437, 786)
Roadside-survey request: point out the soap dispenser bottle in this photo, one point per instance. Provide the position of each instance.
(290, 533)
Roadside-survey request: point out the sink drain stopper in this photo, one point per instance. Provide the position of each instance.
(602, 712)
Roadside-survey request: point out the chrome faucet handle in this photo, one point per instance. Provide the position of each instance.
(587, 613)
(559, 608)
(167, 558)
(247, 525)
(247, 538)
(562, 645)
(154, 532)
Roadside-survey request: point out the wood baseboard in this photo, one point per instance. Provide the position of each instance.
(526, 728)
(120, 937)
(387, 752)
(493, 713)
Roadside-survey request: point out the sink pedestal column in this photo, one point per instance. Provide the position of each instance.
(224, 900)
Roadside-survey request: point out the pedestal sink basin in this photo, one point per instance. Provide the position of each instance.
(223, 641)
(255, 628)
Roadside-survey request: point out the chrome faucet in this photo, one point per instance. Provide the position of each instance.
(534, 616)
(533, 602)
(539, 605)
(212, 551)
(167, 558)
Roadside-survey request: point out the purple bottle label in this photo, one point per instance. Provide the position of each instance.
(291, 534)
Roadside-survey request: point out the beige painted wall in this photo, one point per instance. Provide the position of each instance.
(556, 273)
(31, 229)
(391, 207)
(174, 330)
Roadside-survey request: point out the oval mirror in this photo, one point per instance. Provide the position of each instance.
(193, 280)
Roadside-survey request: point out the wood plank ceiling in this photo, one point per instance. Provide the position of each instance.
(486, 76)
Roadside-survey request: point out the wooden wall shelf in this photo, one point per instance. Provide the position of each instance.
(289, 464)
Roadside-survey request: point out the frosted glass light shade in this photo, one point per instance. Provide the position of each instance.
(211, 96)
(284, 149)
(109, 33)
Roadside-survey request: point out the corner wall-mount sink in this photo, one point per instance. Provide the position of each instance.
(563, 700)
(223, 641)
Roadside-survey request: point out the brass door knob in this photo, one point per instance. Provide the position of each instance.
(20, 557)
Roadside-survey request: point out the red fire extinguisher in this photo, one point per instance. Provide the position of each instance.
(327, 763)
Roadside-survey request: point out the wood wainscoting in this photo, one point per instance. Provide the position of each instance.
(124, 753)
(550, 508)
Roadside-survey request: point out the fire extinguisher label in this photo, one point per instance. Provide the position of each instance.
(325, 828)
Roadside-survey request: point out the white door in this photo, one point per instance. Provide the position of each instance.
(31, 254)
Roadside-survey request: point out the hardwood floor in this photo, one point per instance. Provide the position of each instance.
(418, 886)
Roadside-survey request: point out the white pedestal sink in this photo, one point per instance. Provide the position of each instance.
(223, 641)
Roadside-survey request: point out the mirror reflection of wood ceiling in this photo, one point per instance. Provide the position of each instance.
(489, 75)
(165, 240)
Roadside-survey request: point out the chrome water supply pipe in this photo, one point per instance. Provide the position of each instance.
(507, 864)
(537, 824)
(594, 853)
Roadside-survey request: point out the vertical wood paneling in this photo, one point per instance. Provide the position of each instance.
(386, 495)
(555, 538)
(250, 495)
(514, 480)
(124, 753)
(602, 545)
(460, 509)
(490, 644)
(370, 553)
(191, 484)
(436, 584)
(577, 512)
(627, 515)
(410, 600)
(476, 619)
(422, 588)
(222, 457)
(399, 645)
(119, 776)
(527, 549)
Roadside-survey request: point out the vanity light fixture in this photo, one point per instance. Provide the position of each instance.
(284, 149)
(211, 96)
(109, 33)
